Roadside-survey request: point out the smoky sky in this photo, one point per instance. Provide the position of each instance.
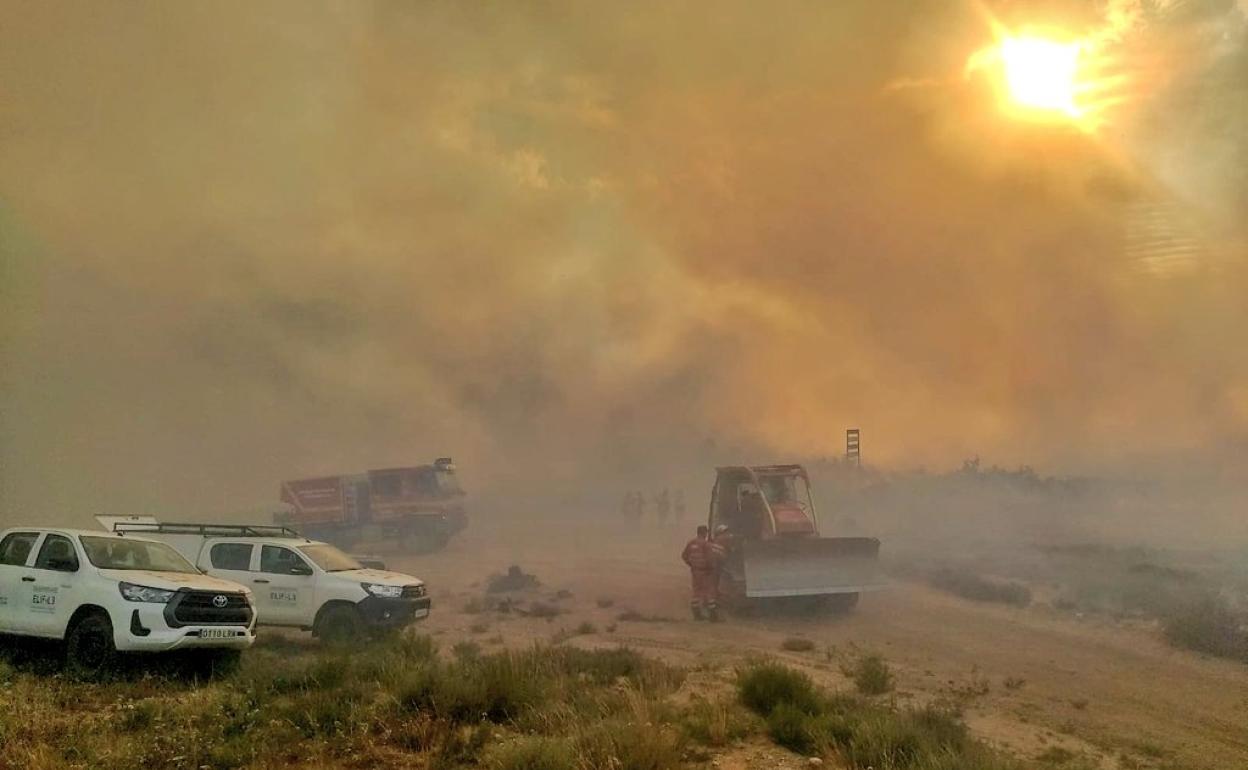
(572, 243)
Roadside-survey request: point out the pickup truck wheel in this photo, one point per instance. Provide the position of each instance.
(89, 647)
(338, 623)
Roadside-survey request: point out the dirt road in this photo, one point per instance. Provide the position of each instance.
(1032, 680)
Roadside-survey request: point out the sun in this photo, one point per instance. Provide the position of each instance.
(1046, 77)
(1041, 74)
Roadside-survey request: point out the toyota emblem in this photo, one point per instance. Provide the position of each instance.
(219, 601)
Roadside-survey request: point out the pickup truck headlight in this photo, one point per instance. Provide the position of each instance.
(383, 592)
(136, 593)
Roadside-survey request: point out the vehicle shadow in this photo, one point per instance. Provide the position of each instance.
(46, 658)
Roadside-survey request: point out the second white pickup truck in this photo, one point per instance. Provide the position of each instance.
(296, 582)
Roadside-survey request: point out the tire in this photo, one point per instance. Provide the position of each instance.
(338, 624)
(89, 647)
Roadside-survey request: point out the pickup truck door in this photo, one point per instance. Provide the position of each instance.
(230, 561)
(52, 593)
(286, 590)
(17, 549)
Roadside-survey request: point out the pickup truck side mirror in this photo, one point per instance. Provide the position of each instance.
(300, 569)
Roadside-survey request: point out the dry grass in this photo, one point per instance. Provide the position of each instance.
(395, 704)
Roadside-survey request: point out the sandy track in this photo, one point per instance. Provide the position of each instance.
(1087, 685)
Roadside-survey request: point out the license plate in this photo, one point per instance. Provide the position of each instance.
(420, 614)
(216, 633)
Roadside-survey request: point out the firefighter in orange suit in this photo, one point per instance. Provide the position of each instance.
(703, 558)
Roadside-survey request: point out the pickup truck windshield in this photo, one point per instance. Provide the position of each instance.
(120, 553)
(330, 558)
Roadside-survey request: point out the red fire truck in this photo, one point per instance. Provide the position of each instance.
(417, 507)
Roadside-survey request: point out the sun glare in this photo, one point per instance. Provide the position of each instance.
(1041, 74)
(1048, 77)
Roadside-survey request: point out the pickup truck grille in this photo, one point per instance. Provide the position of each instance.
(413, 592)
(203, 608)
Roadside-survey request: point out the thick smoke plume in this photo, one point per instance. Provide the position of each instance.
(575, 243)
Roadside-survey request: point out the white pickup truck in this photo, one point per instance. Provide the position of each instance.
(297, 582)
(103, 593)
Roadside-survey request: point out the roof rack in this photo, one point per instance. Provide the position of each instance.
(207, 530)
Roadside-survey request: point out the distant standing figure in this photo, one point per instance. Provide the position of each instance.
(662, 507)
(702, 556)
(639, 506)
(724, 544)
(678, 506)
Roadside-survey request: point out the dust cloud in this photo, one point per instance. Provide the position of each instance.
(578, 245)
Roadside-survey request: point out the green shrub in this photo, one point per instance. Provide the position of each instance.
(624, 745)
(871, 675)
(606, 666)
(327, 712)
(533, 753)
(140, 716)
(413, 647)
(717, 723)
(473, 688)
(883, 740)
(764, 686)
(461, 746)
(791, 727)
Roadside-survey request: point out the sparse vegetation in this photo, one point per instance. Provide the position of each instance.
(514, 579)
(797, 644)
(544, 610)
(634, 616)
(764, 686)
(534, 752)
(1208, 625)
(970, 585)
(1056, 755)
(301, 704)
(871, 675)
(405, 704)
(718, 723)
(860, 732)
(605, 603)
